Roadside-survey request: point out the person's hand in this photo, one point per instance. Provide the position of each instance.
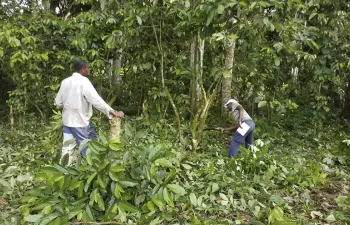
(117, 113)
(220, 128)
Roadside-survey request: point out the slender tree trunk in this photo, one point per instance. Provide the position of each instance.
(346, 109)
(193, 64)
(199, 68)
(12, 120)
(116, 77)
(197, 55)
(115, 67)
(227, 79)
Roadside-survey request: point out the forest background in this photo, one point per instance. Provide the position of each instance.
(170, 65)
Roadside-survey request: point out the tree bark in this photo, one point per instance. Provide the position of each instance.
(116, 68)
(196, 63)
(346, 109)
(193, 64)
(115, 124)
(227, 79)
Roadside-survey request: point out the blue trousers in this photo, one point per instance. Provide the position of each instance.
(238, 139)
(79, 134)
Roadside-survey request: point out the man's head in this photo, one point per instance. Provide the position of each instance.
(82, 67)
(229, 103)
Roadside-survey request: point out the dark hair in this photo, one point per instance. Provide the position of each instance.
(79, 65)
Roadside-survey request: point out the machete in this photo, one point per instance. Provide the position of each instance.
(212, 128)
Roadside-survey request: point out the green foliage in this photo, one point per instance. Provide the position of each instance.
(291, 61)
(151, 178)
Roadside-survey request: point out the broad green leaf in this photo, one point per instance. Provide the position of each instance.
(83, 144)
(223, 196)
(89, 159)
(186, 166)
(150, 206)
(23, 178)
(113, 176)
(41, 206)
(102, 166)
(89, 180)
(164, 162)
(214, 187)
(158, 202)
(277, 62)
(117, 193)
(89, 213)
(127, 206)
(93, 197)
(85, 168)
(97, 146)
(127, 182)
(167, 197)
(312, 15)
(46, 210)
(193, 199)
(57, 221)
(262, 104)
(276, 215)
(80, 190)
(169, 177)
(210, 16)
(134, 68)
(330, 218)
(102, 136)
(155, 152)
(33, 218)
(47, 219)
(116, 141)
(278, 200)
(62, 169)
(101, 181)
(156, 221)
(14, 42)
(100, 202)
(116, 169)
(115, 146)
(139, 20)
(220, 9)
(177, 189)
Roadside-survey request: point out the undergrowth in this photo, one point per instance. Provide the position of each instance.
(296, 173)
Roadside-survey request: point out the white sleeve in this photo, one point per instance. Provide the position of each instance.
(234, 105)
(58, 99)
(95, 99)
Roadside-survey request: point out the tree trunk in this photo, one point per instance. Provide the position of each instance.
(346, 109)
(115, 129)
(115, 65)
(197, 55)
(227, 79)
(193, 65)
(199, 68)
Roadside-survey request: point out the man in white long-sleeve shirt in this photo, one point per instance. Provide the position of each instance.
(76, 97)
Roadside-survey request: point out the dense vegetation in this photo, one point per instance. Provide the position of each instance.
(169, 65)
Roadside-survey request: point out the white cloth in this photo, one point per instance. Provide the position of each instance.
(235, 112)
(76, 97)
(68, 148)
